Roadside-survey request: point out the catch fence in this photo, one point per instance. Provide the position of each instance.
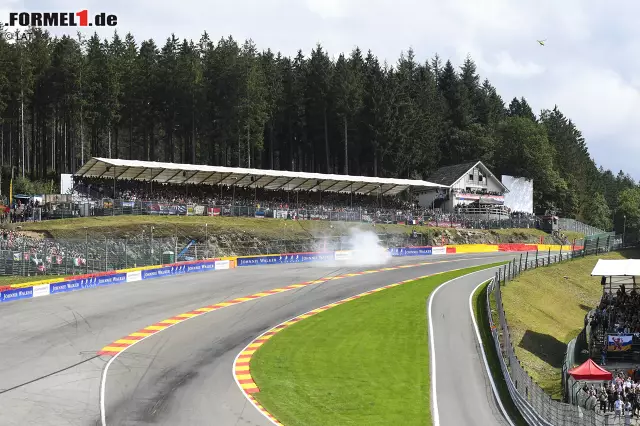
(30, 256)
(577, 226)
(536, 406)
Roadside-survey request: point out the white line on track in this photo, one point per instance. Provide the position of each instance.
(432, 354)
(484, 355)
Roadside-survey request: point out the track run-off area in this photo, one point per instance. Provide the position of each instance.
(163, 351)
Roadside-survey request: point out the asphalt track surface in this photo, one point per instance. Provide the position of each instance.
(463, 388)
(50, 373)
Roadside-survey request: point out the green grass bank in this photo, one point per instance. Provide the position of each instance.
(545, 309)
(365, 362)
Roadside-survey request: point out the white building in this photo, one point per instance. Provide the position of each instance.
(465, 184)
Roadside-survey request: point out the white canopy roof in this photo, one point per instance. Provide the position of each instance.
(617, 268)
(269, 179)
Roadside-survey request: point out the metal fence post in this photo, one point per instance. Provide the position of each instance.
(24, 250)
(549, 257)
(86, 250)
(536, 257)
(509, 270)
(126, 258)
(520, 265)
(526, 261)
(175, 253)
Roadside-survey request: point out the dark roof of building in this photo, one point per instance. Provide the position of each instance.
(448, 175)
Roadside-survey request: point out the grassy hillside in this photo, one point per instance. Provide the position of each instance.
(545, 309)
(249, 228)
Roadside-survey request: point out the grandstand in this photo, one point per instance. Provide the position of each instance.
(113, 187)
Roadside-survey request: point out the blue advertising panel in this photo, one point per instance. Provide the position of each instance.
(199, 267)
(157, 273)
(306, 257)
(410, 251)
(417, 251)
(259, 260)
(63, 287)
(285, 258)
(16, 294)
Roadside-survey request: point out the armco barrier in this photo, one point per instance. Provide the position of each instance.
(411, 251)
(475, 248)
(517, 247)
(80, 282)
(274, 259)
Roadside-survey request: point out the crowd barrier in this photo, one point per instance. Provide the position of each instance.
(101, 279)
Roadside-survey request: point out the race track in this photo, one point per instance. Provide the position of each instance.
(460, 370)
(50, 373)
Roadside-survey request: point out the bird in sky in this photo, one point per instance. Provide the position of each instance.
(542, 42)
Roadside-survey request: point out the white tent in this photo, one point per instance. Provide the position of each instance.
(617, 268)
(619, 271)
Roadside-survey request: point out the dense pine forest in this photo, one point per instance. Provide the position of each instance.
(63, 100)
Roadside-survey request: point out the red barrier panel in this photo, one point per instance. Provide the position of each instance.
(451, 250)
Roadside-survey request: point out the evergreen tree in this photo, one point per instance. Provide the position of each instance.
(63, 100)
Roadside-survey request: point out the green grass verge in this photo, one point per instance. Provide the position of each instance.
(362, 363)
(545, 309)
(241, 228)
(572, 235)
(481, 315)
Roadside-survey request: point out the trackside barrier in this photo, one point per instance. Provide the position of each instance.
(274, 259)
(81, 282)
(526, 410)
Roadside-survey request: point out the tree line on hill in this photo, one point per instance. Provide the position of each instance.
(64, 100)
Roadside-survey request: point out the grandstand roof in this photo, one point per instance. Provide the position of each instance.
(269, 179)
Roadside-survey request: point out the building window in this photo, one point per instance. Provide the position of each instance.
(471, 177)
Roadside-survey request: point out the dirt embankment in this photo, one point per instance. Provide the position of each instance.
(245, 236)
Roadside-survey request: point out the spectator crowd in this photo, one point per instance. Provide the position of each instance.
(307, 204)
(617, 313)
(619, 397)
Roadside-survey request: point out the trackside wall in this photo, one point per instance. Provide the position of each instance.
(80, 282)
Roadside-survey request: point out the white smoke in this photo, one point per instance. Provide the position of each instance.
(359, 248)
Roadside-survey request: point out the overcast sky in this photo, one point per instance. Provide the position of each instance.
(588, 66)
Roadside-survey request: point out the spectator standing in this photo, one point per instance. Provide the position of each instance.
(617, 408)
(603, 400)
(627, 413)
